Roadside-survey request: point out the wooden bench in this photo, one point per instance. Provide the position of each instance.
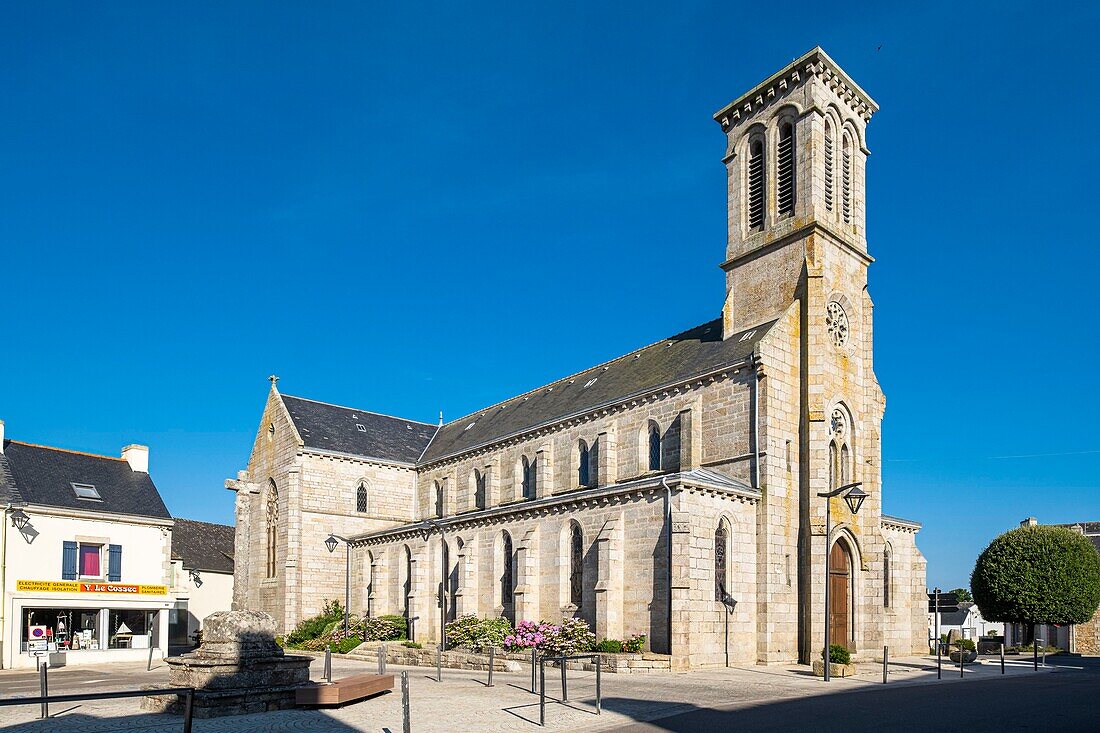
(348, 689)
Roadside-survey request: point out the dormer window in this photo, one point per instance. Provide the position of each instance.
(86, 492)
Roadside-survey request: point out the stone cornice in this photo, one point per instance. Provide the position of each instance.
(901, 525)
(813, 63)
(557, 504)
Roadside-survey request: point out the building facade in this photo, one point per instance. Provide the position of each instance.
(673, 491)
(201, 577)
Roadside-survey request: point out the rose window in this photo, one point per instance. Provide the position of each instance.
(836, 320)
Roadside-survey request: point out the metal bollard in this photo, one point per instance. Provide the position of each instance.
(44, 687)
(328, 664)
(381, 660)
(939, 660)
(564, 684)
(885, 663)
(1036, 648)
(188, 709)
(598, 698)
(534, 679)
(962, 658)
(439, 663)
(492, 657)
(542, 692)
(149, 666)
(1002, 657)
(406, 724)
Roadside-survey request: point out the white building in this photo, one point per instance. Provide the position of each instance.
(967, 621)
(85, 555)
(201, 577)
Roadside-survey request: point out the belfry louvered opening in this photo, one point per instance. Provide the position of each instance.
(828, 166)
(785, 169)
(846, 179)
(756, 184)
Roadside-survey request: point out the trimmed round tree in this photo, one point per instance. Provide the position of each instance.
(1038, 575)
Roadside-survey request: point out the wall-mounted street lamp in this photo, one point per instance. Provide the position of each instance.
(853, 497)
(195, 577)
(331, 543)
(19, 519)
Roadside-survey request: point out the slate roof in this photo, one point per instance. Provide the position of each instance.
(335, 428)
(39, 474)
(698, 351)
(203, 546)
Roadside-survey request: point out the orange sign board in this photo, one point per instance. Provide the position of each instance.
(66, 586)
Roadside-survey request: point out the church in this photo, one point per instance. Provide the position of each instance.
(676, 491)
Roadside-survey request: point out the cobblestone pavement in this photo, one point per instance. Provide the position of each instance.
(462, 702)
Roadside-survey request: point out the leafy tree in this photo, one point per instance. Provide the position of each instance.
(962, 594)
(1038, 575)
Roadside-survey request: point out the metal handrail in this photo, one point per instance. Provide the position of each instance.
(187, 692)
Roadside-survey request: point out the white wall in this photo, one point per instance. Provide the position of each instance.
(215, 593)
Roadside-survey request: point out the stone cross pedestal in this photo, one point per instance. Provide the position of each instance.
(237, 669)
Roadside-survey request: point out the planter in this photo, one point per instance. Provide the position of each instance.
(970, 657)
(835, 670)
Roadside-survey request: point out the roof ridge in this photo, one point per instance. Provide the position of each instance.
(582, 371)
(67, 450)
(356, 409)
(199, 521)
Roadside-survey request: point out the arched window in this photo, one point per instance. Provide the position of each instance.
(583, 468)
(406, 586)
(507, 582)
(479, 489)
(756, 199)
(828, 165)
(272, 525)
(721, 549)
(576, 565)
(438, 499)
(846, 178)
(361, 504)
(654, 447)
(845, 465)
(527, 473)
(834, 468)
(784, 169)
(887, 560)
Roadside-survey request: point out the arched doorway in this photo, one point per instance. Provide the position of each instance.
(840, 593)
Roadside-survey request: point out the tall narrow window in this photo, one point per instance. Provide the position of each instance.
(834, 468)
(272, 524)
(576, 566)
(887, 559)
(438, 499)
(406, 587)
(756, 184)
(845, 466)
(479, 489)
(506, 576)
(828, 165)
(785, 169)
(721, 544)
(527, 470)
(846, 179)
(361, 498)
(583, 468)
(654, 448)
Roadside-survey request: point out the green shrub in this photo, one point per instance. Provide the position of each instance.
(346, 644)
(609, 646)
(400, 623)
(412, 645)
(837, 654)
(967, 644)
(378, 629)
(1038, 575)
(470, 632)
(634, 643)
(312, 628)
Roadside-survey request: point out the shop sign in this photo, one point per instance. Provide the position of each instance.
(63, 586)
(37, 646)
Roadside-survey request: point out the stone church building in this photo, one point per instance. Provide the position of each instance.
(672, 491)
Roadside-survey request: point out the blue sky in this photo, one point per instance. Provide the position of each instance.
(408, 208)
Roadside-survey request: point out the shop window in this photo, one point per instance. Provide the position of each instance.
(129, 628)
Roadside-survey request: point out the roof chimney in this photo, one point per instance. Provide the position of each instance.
(137, 456)
(1, 436)
(1029, 522)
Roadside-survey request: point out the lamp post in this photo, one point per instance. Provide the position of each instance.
(19, 519)
(443, 581)
(331, 543)
(853, 497)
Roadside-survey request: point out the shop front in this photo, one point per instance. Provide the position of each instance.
(87, 623)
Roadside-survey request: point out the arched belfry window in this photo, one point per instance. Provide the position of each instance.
(527, 480)
(361, 503)
(584, 473)
(784, 169)
(829, 156)
(654, 447)
(272, 526)
(576, 565)
(756, 198)
(438, 487)
(479, 490)
(721, 561)
(846, 179)
(507, 581)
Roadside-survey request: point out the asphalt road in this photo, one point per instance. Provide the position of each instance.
(1066, 701)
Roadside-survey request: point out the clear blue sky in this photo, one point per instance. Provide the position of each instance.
(406, 208)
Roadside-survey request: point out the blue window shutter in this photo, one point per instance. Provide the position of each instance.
(114, 563)
(68, 561)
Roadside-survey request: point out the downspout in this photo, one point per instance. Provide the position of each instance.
(3, 580)
(753, 362)
(668, 525)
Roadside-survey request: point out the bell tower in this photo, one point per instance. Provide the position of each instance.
(795, 161)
